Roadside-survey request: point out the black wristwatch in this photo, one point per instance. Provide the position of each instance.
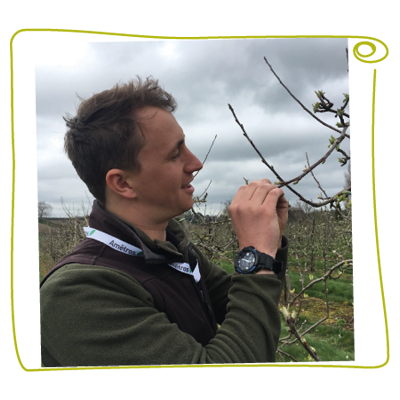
(249, 261)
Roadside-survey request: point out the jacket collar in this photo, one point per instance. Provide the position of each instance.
(154, 251)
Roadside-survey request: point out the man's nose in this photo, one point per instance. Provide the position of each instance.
(194, 163)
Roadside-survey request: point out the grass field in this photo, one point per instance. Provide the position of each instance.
(333, 339)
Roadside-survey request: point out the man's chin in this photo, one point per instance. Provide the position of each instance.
(187, 207)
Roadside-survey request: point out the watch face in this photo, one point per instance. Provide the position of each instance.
(246, 261)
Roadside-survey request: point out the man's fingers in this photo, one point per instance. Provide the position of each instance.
(238, 195)
(282, 202)
(274, 196)
(245, 192)
(256, 192)
(258, 215)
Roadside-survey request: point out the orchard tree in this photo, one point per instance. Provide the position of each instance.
(44, 209)
(309, 240)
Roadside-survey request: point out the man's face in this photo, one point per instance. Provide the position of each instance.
(162, 186)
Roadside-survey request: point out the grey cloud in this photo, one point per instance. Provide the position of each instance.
(204, 76)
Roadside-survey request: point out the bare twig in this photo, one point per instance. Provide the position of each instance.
(322, 160)
(281, 181)
(346, 157)
(251, 142)
(213, 249)
(199, 198)
(298, 101)
(337, 208)
(292, 329)
(326, 105)
(212, 144)
(280, 352)
(280, 355)
(323, 278)
(315, 179)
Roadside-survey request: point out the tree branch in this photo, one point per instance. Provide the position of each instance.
(212, 144)
(292, 329)
(281, 180)
(298, 101)
(280, 352)
(323, 278)
(320, 161)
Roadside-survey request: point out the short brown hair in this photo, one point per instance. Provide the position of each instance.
(106, 134)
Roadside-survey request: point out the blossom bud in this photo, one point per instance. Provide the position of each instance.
(284, 311)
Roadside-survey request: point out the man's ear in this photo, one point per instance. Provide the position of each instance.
(119, 182)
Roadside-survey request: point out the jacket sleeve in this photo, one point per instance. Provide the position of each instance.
(95, 316)
(219, 282)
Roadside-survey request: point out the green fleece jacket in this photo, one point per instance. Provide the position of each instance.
(97, 316)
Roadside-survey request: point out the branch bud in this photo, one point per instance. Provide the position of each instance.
(315, 107)
(284, 311)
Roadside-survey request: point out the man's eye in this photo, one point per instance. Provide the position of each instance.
(175, 157)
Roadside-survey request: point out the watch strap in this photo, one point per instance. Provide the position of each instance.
(269, 263)
(264, 261)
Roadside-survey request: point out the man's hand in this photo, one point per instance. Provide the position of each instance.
(259, 212)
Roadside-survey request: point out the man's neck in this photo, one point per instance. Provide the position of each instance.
(154, 230)
(153, 234)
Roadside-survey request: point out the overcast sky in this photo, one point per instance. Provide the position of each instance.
(204, 76)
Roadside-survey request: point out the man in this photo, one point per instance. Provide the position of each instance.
(135, 291)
